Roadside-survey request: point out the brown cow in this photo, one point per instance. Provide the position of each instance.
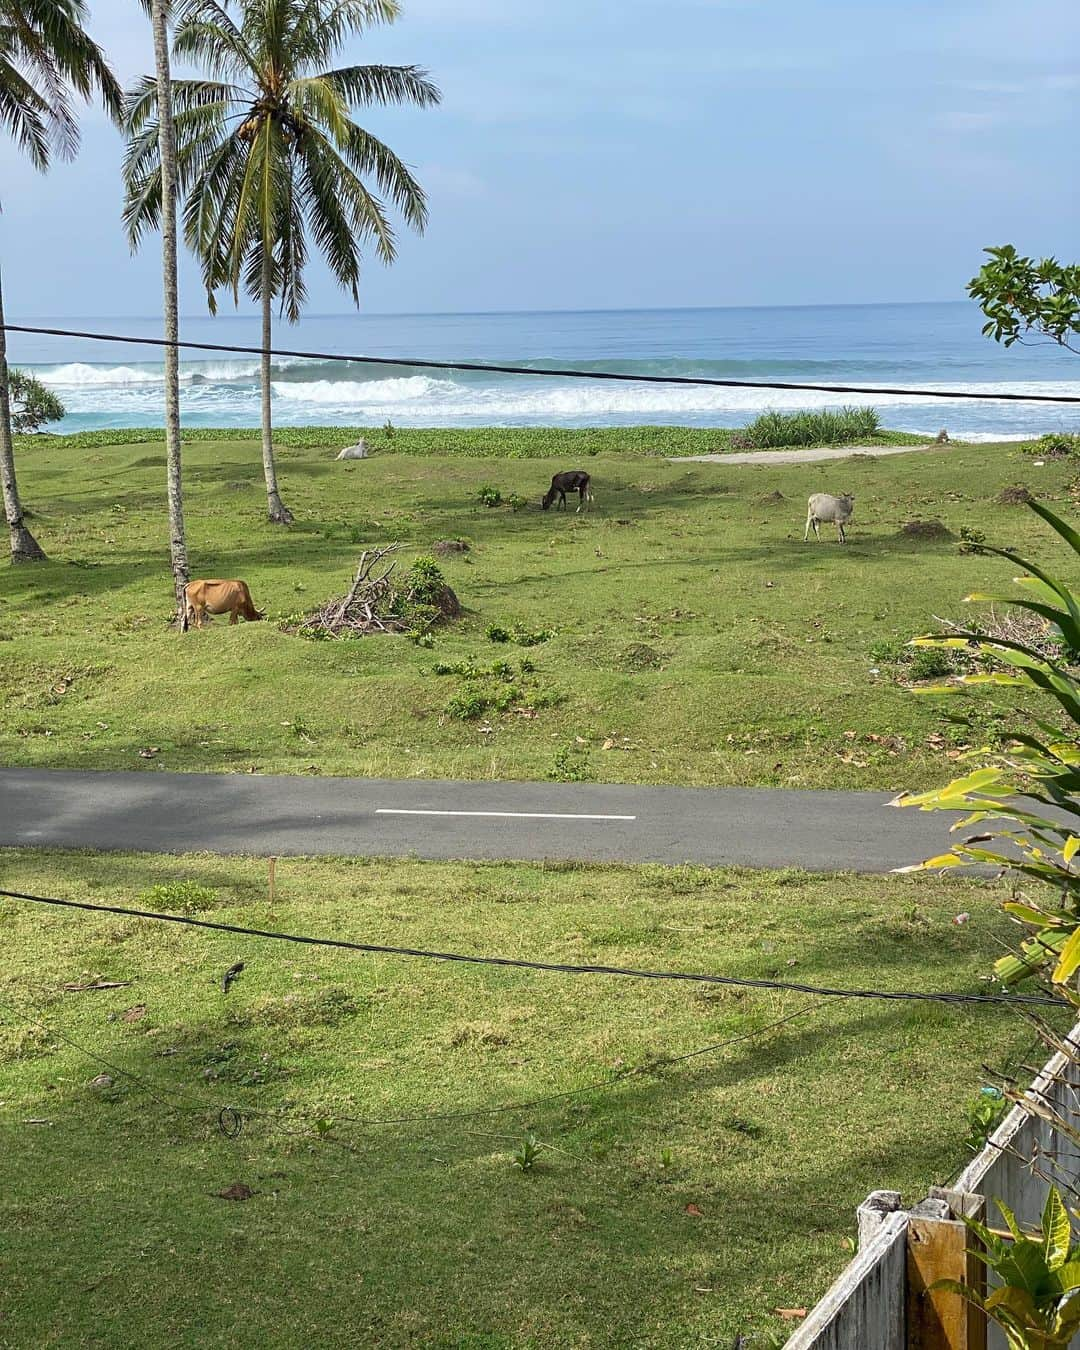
(218, 597)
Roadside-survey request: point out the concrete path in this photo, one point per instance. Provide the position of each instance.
(250, 814)
(802, 456)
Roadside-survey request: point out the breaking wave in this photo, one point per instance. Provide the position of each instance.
(870, 346)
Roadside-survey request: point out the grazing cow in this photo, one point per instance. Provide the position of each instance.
(574, 480)
(822, 508)
(218, 597)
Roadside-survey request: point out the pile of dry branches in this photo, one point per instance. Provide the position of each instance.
(374, 604)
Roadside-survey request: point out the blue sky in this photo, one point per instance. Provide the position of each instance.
(614, 154)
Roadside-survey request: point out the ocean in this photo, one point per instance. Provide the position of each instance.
(918, 346)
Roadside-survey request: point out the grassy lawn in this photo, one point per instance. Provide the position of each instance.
(696, 635)
(112, 1231)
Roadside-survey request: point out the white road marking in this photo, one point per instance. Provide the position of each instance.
(503, 815)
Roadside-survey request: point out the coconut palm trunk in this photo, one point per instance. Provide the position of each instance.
(24, 547)
(278, 512)
(173, 462)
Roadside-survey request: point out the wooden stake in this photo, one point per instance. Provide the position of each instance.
(273, 872)
(939, 1320)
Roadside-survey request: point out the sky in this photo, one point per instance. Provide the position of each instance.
(613, 154)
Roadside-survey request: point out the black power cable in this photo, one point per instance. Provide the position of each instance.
(568, 373)
(561, 968)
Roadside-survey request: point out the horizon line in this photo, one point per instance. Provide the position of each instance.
(487, 313)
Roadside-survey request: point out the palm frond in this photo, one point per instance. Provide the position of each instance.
(206, 32)
(26, 115)
(368, 85)
(366, 154)
(342, 210)
(55, 30)
(315, 99)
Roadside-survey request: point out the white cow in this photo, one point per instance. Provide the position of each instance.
(822, 508)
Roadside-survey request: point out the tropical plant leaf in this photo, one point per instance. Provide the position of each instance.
(1056, 1224)
(1069, 959)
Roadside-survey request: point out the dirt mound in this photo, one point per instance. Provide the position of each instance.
(444, 548)
(1014, 496)
(773, 498)
(640, 656)
(928, 531)
(447, 603)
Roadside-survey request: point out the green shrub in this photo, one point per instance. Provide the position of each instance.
(424, 581)
(488, 495)
(930, 664)
(971, 540)
(1055, 445)
(525, 637)
(32, 403)
(495, 688)
(476, 697)
(519, 634)
(818, 427)
(181, 897)
(922, 663)
(570, 765)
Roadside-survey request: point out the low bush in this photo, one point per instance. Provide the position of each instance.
(820, 426)
(495, 688)
(920, 663)
(1055, 445)
(179, 897)
(518, 634)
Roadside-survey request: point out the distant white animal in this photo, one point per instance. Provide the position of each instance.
(357, 451)
(824, 509)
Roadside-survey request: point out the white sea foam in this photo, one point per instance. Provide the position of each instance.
(225, 393)
(563, 399)
(78, 374)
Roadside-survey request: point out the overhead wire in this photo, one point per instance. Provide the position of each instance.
(551, 372)
(552, 967)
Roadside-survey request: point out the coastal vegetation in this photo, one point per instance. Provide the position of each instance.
(33, 405)
(497, 442)
(821, 426)
(669, 1208)
(693, 637)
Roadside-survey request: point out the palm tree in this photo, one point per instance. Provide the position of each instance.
(268, 153)
(45, 57)
(167, 153)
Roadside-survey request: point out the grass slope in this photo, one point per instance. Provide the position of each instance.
(423, 1232)
(698, 637)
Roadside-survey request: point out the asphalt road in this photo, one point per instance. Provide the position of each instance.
(250, 814)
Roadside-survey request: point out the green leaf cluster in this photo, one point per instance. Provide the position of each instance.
(32, 404)
(1021, 296)
(1037, 1299)
(1025, 800)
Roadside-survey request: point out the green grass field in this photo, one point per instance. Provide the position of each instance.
(696, 636)
(677, 1208)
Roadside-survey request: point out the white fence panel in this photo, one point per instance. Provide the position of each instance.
(866, 1309)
